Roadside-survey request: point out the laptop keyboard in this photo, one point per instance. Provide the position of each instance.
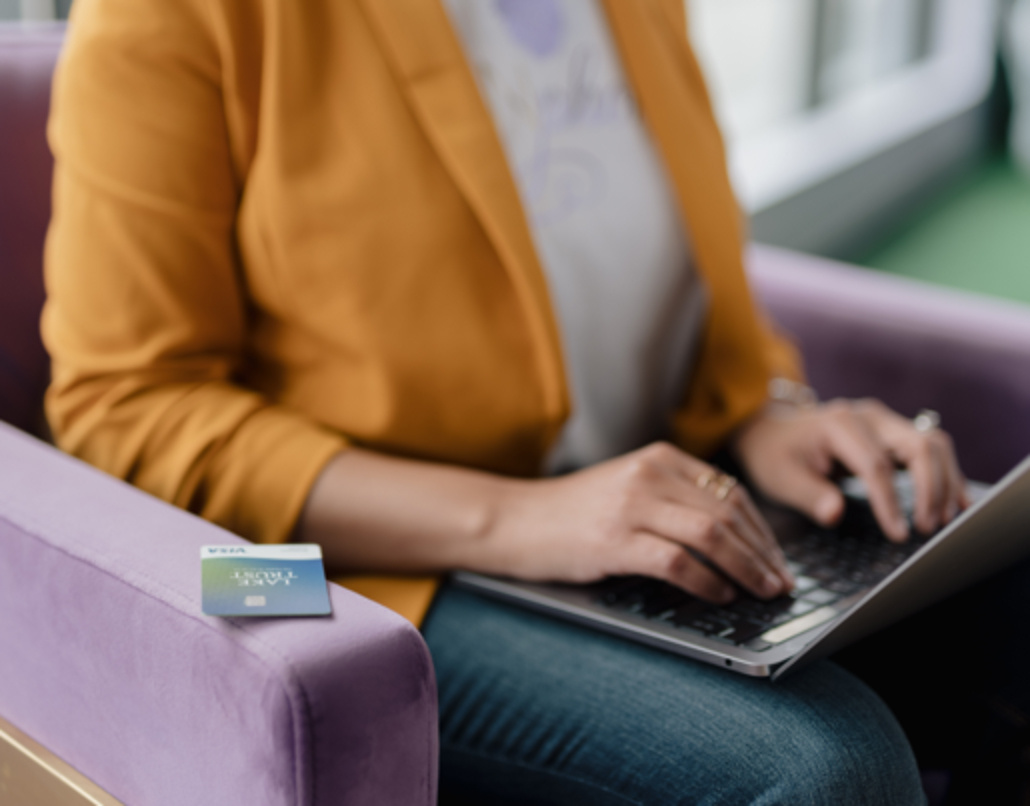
(829, 567)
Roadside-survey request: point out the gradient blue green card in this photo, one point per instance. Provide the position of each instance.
(264, 580)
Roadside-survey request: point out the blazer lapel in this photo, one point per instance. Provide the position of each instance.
(729, 379)
(427, 56)
(670, 91)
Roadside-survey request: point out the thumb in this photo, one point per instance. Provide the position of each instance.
(806, 489)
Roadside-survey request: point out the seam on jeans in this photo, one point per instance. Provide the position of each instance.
(522, 765)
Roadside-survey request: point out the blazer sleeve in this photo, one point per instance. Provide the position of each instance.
(146, 313)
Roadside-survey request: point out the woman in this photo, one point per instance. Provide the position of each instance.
(363, 273)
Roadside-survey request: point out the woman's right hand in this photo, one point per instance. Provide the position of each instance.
(641, 513)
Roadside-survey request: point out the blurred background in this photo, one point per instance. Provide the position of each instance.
(890, 133)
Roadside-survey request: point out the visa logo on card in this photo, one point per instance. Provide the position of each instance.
(284, 580)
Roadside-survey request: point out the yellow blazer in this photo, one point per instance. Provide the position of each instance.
(285, 226)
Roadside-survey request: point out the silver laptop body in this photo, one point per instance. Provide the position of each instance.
(991, 535)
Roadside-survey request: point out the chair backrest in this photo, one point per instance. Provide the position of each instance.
(27, 58)
(911, 345)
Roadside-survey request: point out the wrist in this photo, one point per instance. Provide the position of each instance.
(787, 400)
(787, 392)
(491, 535)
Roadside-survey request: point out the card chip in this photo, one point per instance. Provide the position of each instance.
(254, 601)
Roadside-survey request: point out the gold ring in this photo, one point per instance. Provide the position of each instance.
(704, 481)
(726, 484)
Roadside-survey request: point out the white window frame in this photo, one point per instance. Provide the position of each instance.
(778, 162)
(38, 10)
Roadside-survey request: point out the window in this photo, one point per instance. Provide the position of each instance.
(34, 10)
(805, 89)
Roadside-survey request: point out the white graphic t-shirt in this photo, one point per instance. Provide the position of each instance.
(602, 213)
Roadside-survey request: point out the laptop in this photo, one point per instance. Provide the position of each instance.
(851, 581)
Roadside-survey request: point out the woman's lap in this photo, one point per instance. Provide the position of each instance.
(534, 710)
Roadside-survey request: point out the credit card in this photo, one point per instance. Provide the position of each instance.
(286, 580)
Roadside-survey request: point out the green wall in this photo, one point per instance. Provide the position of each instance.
(976, 237)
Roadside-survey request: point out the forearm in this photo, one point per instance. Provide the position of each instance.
(379, 514)
(629, 515)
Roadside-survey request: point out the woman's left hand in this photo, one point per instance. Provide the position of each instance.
(789, 452)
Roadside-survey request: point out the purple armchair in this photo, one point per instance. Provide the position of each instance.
(105, 658)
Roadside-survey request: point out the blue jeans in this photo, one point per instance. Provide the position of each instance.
(537, 711)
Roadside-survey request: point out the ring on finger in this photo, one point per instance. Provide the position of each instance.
(726, 484)
(706, 479)
(926, 420)
(720, 483)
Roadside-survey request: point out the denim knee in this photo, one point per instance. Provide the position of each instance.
(839, 744)
(533, 710)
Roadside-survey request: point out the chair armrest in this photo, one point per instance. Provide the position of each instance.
(108, 661)
(911, 344)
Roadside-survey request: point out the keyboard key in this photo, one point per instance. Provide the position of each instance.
(804, 583)
(823, 574)
(800, 607)
(660, 600)
(765, 612)
(744, 631)
(821, 596)
(628, 601)
(686, 614)
(702, 624)
(620, 593)
(844, 587)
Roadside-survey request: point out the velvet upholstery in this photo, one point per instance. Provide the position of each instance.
(108, 661)
(911, 344)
